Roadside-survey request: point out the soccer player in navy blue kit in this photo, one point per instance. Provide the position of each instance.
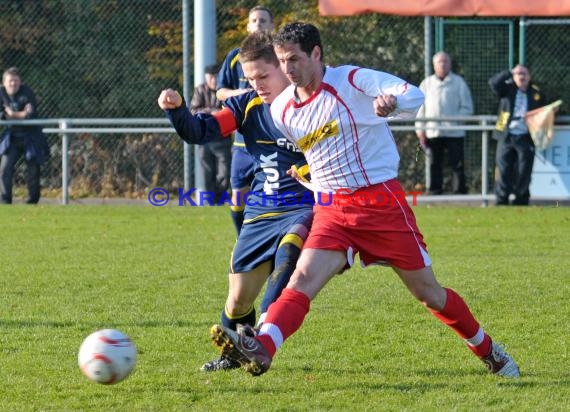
(232, 82)
(278, 209)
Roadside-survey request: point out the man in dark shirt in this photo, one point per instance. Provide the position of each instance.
(18, 102)
(515, 149)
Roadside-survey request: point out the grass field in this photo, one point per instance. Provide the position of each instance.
(159, 275)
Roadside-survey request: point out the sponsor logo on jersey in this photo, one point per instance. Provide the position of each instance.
(329, 129)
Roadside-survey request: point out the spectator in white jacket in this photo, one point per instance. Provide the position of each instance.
(446, 94)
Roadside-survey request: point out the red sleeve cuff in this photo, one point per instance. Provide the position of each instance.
(226, 120)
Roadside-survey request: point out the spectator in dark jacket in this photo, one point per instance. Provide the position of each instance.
(18, 102)
(215, 157)
(515, 149)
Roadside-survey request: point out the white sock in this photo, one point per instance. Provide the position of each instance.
(477, 339)
(261, 318)
(273, 332)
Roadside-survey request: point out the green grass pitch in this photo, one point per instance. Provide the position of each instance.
(159, 275)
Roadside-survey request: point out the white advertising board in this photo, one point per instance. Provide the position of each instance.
(551, 172)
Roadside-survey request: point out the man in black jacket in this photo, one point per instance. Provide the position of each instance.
(515, 148)
(18, 102)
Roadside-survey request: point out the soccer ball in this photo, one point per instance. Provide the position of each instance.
(107, 356)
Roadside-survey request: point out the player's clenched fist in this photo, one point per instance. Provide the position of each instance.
(169, 99)
(385, 104)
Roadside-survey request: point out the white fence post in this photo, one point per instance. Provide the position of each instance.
(484, 163)
(64, 163)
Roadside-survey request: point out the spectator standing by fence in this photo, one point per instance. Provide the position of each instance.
(446, 94)
(215, 157)
(515, 148)
(19, 103)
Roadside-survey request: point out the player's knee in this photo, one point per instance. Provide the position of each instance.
(237, 308)
(309, 283)
(432, 298)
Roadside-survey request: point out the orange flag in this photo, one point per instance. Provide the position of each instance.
(540, 123)
(446, 7)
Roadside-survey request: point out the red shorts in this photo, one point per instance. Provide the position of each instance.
(375, 222)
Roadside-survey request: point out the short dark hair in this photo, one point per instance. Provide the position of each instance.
(211, 69)
(261, 8)
(305, 35)
(256, 46)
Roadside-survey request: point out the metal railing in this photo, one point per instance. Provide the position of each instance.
(68, 127)
(485, 124)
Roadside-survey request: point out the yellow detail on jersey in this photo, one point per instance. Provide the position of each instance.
(502, 121)
(302, 172)
(262, 217)
(237, 208)
(264, 142)
(330, 129)
(252, 103)
(292, 238)
(234, 61)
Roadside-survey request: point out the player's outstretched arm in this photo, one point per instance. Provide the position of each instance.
(385, 104)
(393, 97)
(169, 99)
(198, 129)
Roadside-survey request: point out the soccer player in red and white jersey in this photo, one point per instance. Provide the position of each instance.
(338, 118)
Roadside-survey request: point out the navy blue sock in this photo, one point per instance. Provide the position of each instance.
(245, 319)
(285, 261)
(237, 218)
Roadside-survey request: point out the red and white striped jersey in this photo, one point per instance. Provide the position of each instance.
(347, 146)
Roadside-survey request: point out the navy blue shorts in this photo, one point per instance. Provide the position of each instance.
(242, 168)
(260, 236)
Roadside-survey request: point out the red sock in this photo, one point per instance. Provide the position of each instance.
(268, 344)
(286, 315)
(457, 316)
